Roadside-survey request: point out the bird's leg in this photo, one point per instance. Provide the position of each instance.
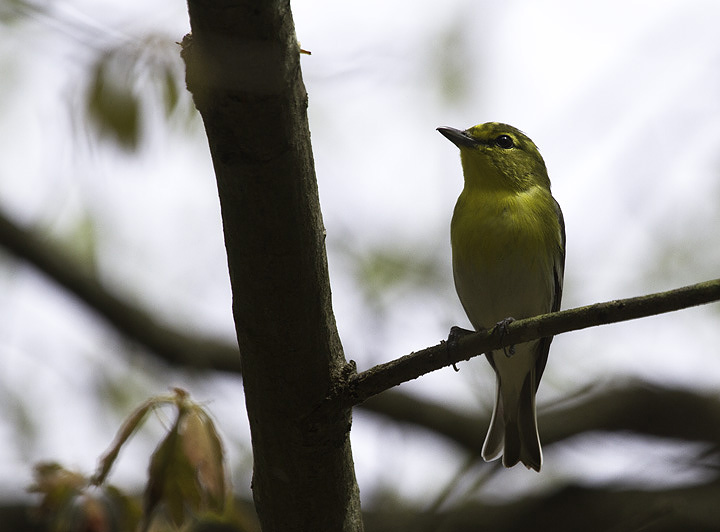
(455, 334)
(501, 328)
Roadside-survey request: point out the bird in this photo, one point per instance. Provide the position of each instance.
(508, 260)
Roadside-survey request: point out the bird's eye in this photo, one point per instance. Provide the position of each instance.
(505, 142)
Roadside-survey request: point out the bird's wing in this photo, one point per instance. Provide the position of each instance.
(543, 346)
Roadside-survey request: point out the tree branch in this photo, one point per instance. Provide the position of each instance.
(130, 320)
(382, 377)
(561, 508)
(572, 508)
(243, 69)
(467, 430)
(635, 406)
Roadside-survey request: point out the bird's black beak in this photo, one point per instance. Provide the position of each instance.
(457, 137)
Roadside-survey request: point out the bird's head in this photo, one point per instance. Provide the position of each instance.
(498, 155)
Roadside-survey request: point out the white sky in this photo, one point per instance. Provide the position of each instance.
(622, 98)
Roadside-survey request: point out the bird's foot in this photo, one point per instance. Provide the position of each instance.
(501, 328)
(452, 341)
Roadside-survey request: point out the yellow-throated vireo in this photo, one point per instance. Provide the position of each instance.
(508, 257)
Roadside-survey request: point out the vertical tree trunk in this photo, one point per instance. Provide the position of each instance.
(243, 68)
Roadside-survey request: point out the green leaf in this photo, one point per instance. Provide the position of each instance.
(187, 470)
(171, 480)
(203, 449)
(113, 108)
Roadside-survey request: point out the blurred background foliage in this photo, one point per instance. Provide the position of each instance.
(104, 160)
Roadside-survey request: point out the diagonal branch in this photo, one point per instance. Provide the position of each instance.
(384, 376)
(188, 351)
(131, 321)
(570, 507)
(635, 406)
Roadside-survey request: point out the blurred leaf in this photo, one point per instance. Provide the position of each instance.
(453, 66)
(126, 510)
(187, 472)
(112, 104)
(383, 272)
(70, 504)
(171, 479)
(14, 11)
(16, 413)
(170, 90)
(203, 449)
(56, 484)
(187, 479)
(131, 424)
(128, 82)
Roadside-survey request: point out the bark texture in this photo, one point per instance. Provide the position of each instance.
(243, 68)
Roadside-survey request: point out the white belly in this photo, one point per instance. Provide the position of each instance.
(512, 286)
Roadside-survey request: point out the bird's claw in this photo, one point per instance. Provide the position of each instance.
(502, 329)
(455, 334)
(452, 341)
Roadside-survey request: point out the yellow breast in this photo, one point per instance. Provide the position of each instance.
(504, 246)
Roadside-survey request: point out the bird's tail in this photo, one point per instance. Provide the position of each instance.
(513, 428)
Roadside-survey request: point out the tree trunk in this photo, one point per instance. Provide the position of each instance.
(243, 68)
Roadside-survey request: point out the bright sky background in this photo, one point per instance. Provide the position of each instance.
(622, 98)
